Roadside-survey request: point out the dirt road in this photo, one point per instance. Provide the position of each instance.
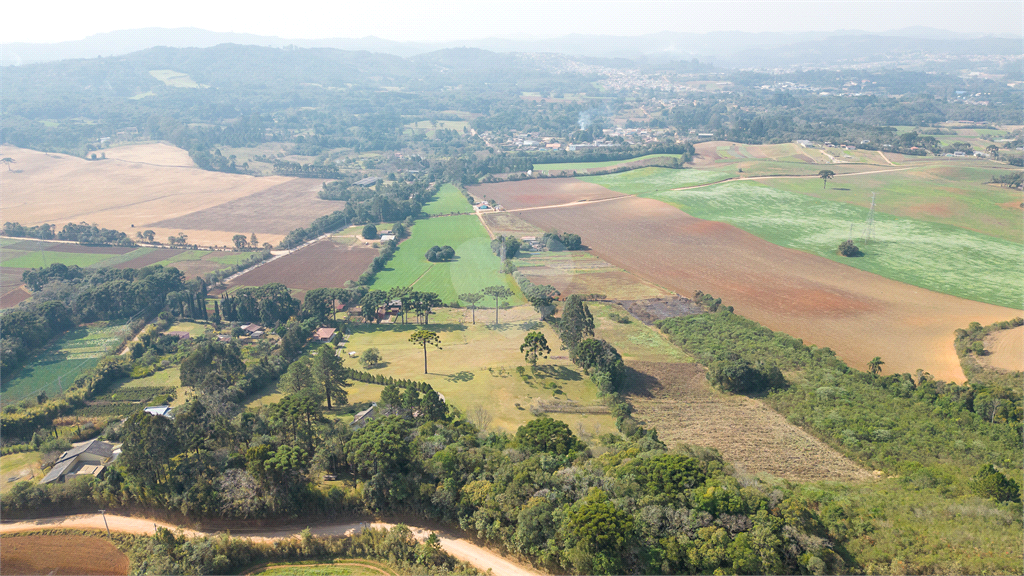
(464, 550)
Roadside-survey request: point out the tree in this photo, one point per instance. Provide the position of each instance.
(596, 534)
(440, 253)
(370, 358)
(535, 345)
(545, 434)
(849, 249)
(424, 302)
(825, 176)
(329, 372)
(253, 242)
(422, 338)
(149, 235)
(471, 298)
(991, 483)
(740, 376)
(576, 323)
(875, 365)
(8, 161)
(498, 292)
(240, 241)
(543, 299)
(369, 232)
(370, 303)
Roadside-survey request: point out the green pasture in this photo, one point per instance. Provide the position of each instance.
(449, 200)
(430, 129)
(931, 255)
(475, 267)
(122, 258)
(42, 258)
(24, 466)
(651, 179)
(946, 193)
(55, 368)
(582, 166)
(354, 567)
(225, 258)
(174, 79)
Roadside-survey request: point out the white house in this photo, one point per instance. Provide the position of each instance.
(87, 458)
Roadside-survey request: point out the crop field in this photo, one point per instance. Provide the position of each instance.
(541, 192)
(585, 166)
(1005, 349)
(858, 314)
(651, 179)
(66, 554)
(934, 256)
(476, 367)
(15, 468)
(273, 212)
(140, 185)
(677, 400)
(583, 273)
(474, 267)
(449, 200)
(430, 128)
(324, 264)
(358, 567)
(57, 366)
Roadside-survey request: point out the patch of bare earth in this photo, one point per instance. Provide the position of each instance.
(66, 554)
(857, 314)
(542, 192)
(324, 264)
(1005, 350)
(12, 298)
(676, 399)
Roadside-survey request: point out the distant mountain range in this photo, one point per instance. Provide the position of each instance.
(724, 49)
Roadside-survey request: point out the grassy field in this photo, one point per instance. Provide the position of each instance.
(475, 267)
(476, 367)
(430, 129)
(22, 466)
(353, 567)
(41, 258)
(449, 200)
(930, 255)
(57, 366)
(175, 79)
(583, 166)
(649, 180)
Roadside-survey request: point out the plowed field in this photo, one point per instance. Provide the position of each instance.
(677, 400)
(542, 192)
(66, 554)
(324, 264)
(1005, 349)
(858, 314)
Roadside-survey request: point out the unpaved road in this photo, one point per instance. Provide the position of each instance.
(460, 548)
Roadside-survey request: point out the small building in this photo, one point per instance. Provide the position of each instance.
(179, 334)
(386, 237)
(324, 334)
(529, 239)
(366, 182)
(252, 328)
(223, 338)
(363, 418)
(162, 410)
(87, 458)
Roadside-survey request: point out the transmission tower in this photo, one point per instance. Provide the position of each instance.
(870, 233)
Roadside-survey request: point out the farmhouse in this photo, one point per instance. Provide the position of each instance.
(324, 334)
(386, 237)
(363, 418)
(162, 410)
(180, 335)
(366, 182)
(87, 458)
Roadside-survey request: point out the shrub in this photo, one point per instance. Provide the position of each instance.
(849, 250)
(370, 232)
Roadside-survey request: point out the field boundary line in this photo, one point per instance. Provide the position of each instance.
(777, 176)
(577, 203)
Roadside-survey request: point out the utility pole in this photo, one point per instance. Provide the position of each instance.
(104, 513)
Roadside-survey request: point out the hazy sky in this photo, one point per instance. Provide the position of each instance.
(431, 20)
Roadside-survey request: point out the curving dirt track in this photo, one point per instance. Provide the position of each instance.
(460, 548)
(857, 314)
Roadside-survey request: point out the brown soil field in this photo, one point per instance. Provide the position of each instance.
(277, 210)
(134, 185)
(67, 554)
(324, 264)
(1005, 350)
(857, 314)
(677, 400)
(12, 298)
(542, 192)
(151, 258)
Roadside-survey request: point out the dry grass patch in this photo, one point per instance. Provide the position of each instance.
(61, 555)
(1005, 350)
(677, 400)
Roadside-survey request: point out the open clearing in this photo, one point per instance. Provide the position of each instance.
(449, 200)
(338, 568)
(67, 554)
(677, 400)
(324, 264)
(55, 368)
(857, 314)
(580, 272)
(587, 166)
(140, 185)
(15, 468)
(474, 267)
(542, 192)
(1005, 350)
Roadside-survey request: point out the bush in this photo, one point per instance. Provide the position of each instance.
(849, 250)
(741, 377)
(370, 358)
(991, 483)
(370, 232)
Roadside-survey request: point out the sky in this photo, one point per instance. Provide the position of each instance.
(435, 21)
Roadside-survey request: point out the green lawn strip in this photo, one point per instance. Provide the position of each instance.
(41, 258)
(122, 258)
(651, 179)
(9, 241)
(12, 466)
(185, 256)
(955, 195)
(449, 200)
(929, 255)
(228, 258)
(581, 166)
(475, 267)
(55, 368)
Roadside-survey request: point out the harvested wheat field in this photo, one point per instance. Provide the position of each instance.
(542, 192)
(65, 554)
(137, 185)
(858, 314)
(277, 210)
(676, 399)
(1005, 349)
(324, 264)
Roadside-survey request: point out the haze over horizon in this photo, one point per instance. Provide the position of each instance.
(406, 21)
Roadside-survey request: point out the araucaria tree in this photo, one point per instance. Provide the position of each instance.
(498, 292)
(825, 176)
(534, 346)
(329, 373)
(472, 298)
(576, 323)
(422, 338)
